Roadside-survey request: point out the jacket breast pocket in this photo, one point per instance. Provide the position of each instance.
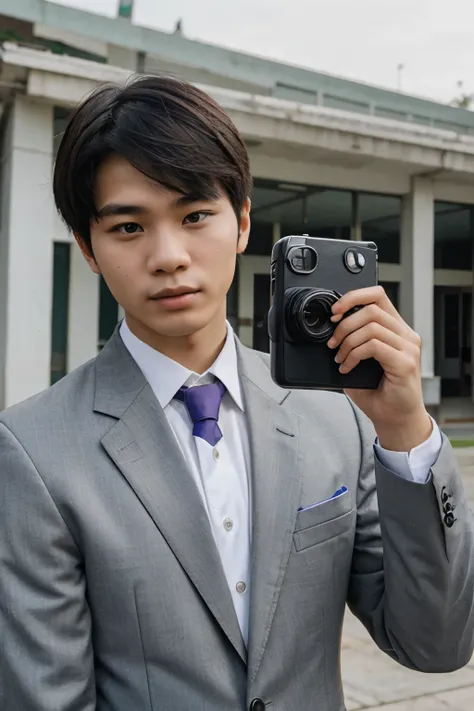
(323, 522)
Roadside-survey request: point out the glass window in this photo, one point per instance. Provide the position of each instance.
(272, 202)
(298, 209)
(60, 122)
(454, 225)
(379, 219)
(325, 213)
(451, 325)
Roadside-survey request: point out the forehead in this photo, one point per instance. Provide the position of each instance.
(117, 179)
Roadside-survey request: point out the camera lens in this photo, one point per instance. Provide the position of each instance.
(308, 314)
(314, 315)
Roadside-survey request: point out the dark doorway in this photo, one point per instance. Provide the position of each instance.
(261, 305)
(453, 340)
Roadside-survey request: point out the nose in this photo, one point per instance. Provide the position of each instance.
(168, 252)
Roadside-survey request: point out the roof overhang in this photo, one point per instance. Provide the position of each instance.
(271, 126)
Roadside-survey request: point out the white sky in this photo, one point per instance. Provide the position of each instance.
(359, 39)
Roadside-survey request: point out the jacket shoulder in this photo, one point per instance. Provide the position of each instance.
(54, 402)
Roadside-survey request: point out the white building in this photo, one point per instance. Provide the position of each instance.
(330, 158)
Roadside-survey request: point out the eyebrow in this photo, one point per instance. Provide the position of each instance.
(116, 209)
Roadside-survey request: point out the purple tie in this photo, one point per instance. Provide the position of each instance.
(203, 403)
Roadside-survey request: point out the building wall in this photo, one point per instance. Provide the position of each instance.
(27, 249)
(27, 237)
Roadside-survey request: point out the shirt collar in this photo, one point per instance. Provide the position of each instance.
(166, 376)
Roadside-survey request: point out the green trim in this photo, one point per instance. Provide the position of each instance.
(125, 9)
(55, 46)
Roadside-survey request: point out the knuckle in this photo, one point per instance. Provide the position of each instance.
(415, 351)
(374, 329)
(417, 340)
(374, 347)
(411, 365)
(374, 311)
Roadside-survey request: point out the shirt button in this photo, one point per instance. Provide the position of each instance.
(228, 524)
(241, 587)
(215, 454)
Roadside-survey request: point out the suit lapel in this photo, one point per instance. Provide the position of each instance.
(276, 485)
(144, 448)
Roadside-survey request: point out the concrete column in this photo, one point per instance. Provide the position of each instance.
(417, 283)
(356, 227)
(276, 232)
(83, 321)
(26, 251)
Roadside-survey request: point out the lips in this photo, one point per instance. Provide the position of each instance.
(171, 293)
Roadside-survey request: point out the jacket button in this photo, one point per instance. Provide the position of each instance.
(257, 705)
(449, 519)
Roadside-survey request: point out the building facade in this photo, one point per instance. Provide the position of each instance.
(329, 158)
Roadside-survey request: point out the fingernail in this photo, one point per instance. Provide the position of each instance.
(336, 317)
(342, 369)
(331, 343)
(337, 358)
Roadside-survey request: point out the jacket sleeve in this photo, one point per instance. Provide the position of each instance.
(412, 578)
(46, 659)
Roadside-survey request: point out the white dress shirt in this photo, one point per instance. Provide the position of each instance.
(222, 473)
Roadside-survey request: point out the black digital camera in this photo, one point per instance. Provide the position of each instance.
(308, 275)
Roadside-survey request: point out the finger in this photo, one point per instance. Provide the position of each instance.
(367, 333)
(394, 362)
(368, 314)
(362, 297)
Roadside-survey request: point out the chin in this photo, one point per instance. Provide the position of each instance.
(181, 324)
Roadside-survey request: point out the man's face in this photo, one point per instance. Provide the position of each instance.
(149, 239)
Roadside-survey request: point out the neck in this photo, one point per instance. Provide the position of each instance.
(196, 352)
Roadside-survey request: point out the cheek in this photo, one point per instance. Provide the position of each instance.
(217, 259)
(117, 265)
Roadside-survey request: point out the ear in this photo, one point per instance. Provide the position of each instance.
(87, 254)
(244, 227)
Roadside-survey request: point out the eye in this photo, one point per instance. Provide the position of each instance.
(196, 217)
(128, 228)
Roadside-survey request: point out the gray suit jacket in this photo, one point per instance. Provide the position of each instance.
(112, 594)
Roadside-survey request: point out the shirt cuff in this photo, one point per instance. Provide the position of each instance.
(415, 465)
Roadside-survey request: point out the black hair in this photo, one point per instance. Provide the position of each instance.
(167, 129)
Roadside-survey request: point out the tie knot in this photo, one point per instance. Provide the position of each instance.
(203, 403)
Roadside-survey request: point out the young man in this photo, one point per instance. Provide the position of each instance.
(160, 543)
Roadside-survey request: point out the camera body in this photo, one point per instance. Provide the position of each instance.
(308, 275)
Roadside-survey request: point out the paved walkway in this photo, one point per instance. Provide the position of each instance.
(373, 681)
